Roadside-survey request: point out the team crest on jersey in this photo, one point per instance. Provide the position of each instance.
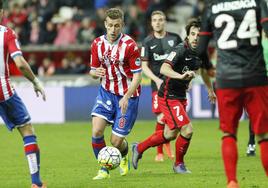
(122, 122)
(171, 43)
(138, 62)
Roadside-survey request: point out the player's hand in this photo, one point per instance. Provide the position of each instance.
(188, 75)
(158, 83)
(212, 71)
(123, 104)
(100, 72)
(211, 96)
(39, 89)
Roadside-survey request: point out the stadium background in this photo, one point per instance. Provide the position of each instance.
(56, 35)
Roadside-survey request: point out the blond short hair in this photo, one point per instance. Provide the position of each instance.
(114, 13)
(158, 12)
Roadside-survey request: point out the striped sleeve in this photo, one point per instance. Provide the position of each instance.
(13, 43)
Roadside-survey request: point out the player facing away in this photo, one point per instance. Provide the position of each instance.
(115, 60)
(12, 109)
(241, 79)
(179, 68)
(153, 52)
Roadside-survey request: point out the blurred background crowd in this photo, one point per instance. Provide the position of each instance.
(60, 24)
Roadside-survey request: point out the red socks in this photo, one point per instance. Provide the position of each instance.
(159, 127)
(264, 154)
(230, 157)
(182, 145)
(154, 140)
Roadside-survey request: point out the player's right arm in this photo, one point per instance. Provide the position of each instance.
(264, 15)
(147, 71)
(145, 65)
(96, 70)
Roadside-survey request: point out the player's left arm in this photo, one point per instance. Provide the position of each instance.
(135, 66)
(208, 84)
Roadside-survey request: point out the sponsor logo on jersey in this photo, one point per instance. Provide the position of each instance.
(233, 5)
(122, 122)
(152, 47)
(188, 58)
(158, 57)
(171, 43)
(171, 56)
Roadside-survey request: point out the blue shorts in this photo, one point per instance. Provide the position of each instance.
(107, 107)
(14, 113)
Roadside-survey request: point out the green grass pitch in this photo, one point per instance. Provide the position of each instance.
(67, 160)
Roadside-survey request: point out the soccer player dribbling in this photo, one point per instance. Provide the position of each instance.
(12, 109)
(241, 76)
(115, 60)
(153, 52)
(179, 69)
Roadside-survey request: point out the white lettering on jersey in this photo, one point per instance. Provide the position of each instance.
(171, 56)
(233, 5)
(158, 57)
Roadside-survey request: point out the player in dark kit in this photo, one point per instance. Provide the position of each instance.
(179, 68)
(241, 79)
(153, 52)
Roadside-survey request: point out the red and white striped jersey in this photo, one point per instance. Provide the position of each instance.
(9, 45)
(120, 59)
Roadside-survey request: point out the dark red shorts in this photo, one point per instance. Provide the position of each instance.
(155, 105)
(174, 111)
(231, 103)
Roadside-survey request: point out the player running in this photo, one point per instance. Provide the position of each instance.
(179, 69)
(115, 60)
(153, 52)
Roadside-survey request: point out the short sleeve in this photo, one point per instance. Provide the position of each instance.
(264, 15)
(13, 43)
(175, 54)
(145, 52)
(134, 58)
(94, 60)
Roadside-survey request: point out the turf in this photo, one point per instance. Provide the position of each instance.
(68, 161)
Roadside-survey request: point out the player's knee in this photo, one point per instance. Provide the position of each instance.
(170, 136)
(116, 142)
(187, 131)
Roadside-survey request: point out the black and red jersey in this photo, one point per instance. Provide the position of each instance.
(236, 26)
(155, 51)
(182, 58)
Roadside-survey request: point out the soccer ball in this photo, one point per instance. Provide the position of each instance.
(109, 157)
